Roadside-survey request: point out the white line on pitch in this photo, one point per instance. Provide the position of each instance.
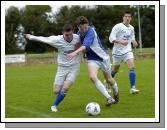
(29, 111)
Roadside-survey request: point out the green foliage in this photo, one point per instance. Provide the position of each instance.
(103, 18)
(12, 18)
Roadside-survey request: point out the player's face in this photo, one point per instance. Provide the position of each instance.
(127, 18)
(83, 28)
(68, 35)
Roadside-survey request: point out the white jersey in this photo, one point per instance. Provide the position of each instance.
(64, 47)
(122, 32)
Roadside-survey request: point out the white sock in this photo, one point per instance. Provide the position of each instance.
(115, 88)
(102, 89)
(133, 87)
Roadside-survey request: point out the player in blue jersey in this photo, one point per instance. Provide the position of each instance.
(97, 58)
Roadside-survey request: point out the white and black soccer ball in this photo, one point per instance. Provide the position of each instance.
(92, 109)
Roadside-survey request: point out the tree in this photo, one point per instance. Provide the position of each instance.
(34, 19)
(12, 18)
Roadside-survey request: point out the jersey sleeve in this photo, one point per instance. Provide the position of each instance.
(89, 38)
(113, 33)
(52, 40)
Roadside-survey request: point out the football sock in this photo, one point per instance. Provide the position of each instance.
(132, 78)
(113, 73)
(115, 88)
(60, 97)
(101, 88)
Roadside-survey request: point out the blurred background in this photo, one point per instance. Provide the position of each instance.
(46, 20)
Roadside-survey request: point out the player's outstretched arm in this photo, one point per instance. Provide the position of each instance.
(49, 40)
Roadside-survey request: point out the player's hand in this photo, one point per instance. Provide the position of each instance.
(134, 44)
(27, 36)
(71, 55)
(123, 42)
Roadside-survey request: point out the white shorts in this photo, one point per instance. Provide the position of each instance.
(66, 73)
(103, 65)
(118, 59)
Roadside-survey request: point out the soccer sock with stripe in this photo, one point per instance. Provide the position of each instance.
(102, 89)
(132, 78)
(60, 97)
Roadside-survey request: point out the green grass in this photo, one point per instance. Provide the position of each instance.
(29, 93)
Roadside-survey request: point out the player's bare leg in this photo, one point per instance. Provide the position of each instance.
(113, 85)
(115, 69)
(93, 71)
(132, 76)
(61, 93)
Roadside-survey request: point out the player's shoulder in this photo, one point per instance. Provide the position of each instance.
(131, 26)
(56, 38)
(76, 36)
(117, 26)
(91, 31)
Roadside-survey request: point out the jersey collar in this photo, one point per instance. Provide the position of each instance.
(68, 41)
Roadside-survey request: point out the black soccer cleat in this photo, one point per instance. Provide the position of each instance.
(116, 97)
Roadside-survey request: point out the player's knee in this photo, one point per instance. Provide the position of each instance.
(66, 88)
(116, 68)
(67, 85)
(132, 67)
(56, 89)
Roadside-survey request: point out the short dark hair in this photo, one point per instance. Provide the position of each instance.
(67, 27)
(82, 20)
(127, 12)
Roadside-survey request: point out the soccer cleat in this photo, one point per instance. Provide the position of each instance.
(107, 86)
(53, 109)
(134, 91)
(116, 97)
(110, 101)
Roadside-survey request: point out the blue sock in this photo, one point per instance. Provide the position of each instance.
(132, 78)
(113, 73)
(60, 97)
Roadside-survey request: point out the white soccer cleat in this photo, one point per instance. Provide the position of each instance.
(134, 91)
(107, 86)
(53, 109)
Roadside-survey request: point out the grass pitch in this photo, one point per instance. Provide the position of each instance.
(28, 93)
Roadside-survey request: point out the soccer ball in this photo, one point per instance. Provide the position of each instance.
(92, 108)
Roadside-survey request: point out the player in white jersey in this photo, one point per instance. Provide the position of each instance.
(122, 36)
(67, 69)
(97, 57)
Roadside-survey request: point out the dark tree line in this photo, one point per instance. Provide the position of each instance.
(35, 20)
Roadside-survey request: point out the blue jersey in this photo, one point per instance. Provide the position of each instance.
(94, 47)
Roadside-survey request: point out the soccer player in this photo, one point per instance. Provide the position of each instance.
(97, 57)
(122, 35)
(67, 69)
